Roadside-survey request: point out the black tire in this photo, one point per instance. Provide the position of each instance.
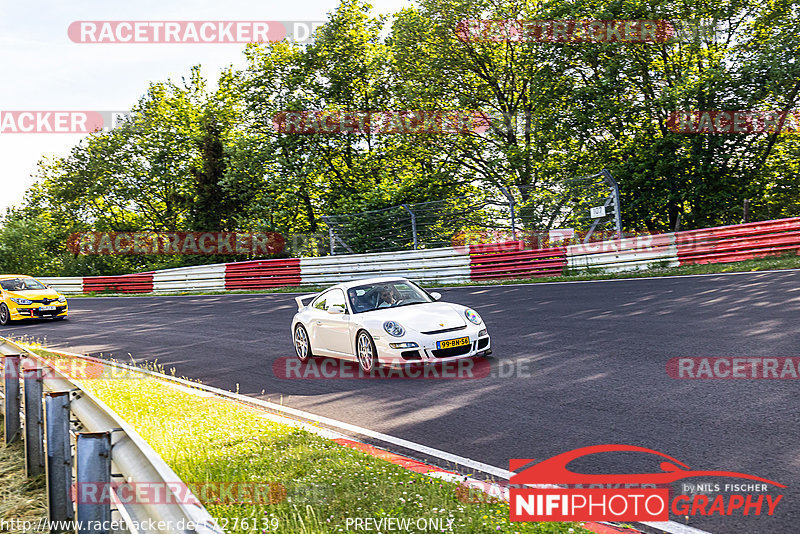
(5, 314)
(366, 353)
(60, 318)
(302, 344)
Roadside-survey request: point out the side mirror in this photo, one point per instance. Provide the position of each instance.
(336, 309)
(436, 296)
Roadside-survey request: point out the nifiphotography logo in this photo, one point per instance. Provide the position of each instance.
(629, 497)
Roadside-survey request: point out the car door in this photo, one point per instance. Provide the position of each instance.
(317, 311)
(333, 329)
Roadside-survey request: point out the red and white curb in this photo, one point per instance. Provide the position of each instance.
(496, 490)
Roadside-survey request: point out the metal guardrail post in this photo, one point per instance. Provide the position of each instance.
(34, 422)
(133, 457)
(94, 478)
(617, 206)
(59, 459)
(510, 199)
(11, 400)
(413, 224)
(331, 235)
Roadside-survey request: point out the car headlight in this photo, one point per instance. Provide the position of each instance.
(21, 301)
(393, 328)
(473, 316)
(62, 298)
(483, 333)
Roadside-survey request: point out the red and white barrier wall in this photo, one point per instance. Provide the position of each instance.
(633, 253)
(262, 274)
(738, 242)
(495, 261)
(512, 260)
(438, 264)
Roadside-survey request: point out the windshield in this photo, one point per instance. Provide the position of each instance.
(385, 295)
(21, 284)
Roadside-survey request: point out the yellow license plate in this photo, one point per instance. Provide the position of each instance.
(450, 343)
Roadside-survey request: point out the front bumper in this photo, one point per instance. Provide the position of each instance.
(35, 311)
(427, 351)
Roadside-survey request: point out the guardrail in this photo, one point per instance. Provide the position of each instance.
(262, 274)
(50, 401)
(739, 242)
(505, 260)
(125, 283)
(199, 278)
(64, 284)
(497, 264)
(634, 253)
(438, 264)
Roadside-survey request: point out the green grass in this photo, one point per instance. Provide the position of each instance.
(789, 260)
(212, 439)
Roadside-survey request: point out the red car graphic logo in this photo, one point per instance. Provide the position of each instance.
(554, 470)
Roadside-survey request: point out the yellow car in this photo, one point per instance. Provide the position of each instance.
(23, 297)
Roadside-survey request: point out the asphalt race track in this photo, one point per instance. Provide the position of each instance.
(575, 364)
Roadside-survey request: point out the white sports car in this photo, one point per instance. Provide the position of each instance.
(386, 321)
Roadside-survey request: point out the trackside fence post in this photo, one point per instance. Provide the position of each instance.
(413, 224)
(11, 400)
(34, 422)
(617, 205)
(59, 460)
(94, 482)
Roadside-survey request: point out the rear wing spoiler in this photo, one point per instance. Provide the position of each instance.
(301, 298)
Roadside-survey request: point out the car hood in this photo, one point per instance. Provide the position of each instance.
(34, 294)
(424, 317)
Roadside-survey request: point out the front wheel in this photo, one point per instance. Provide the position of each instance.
(5, 315)
(367, 354)
(302, 346)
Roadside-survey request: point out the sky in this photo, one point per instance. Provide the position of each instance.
(43, 70)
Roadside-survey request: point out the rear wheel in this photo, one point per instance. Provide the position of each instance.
(5, 315)
(367, 355)
(302, 346)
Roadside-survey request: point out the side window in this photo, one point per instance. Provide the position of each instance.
(320, 302)
(336, 298)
